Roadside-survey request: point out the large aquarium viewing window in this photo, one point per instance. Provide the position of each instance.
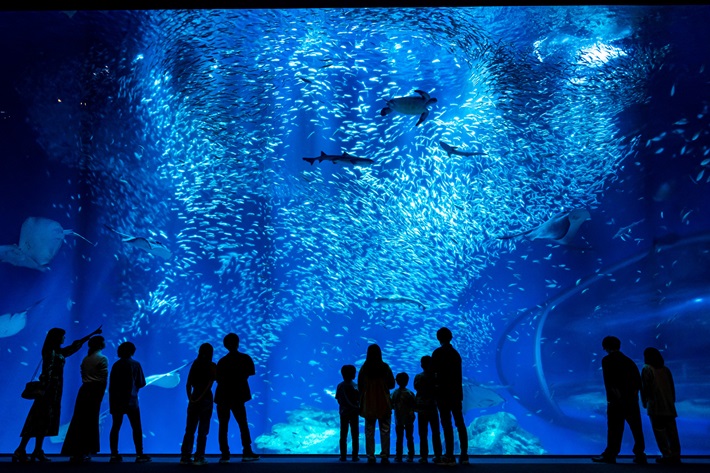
(317, 180)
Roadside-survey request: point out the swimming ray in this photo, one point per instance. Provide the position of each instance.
(154, 247)
(561, 228)
(40, 240)
(165, 380)
(12, 323)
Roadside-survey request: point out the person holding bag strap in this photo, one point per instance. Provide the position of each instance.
(43, 418)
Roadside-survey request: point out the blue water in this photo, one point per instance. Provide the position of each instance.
(189, 128)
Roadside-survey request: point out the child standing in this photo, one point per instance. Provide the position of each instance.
(348, 398)
(427, 412)
(404, 404)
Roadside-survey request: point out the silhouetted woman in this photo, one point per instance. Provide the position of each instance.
(658, 397)
(43, 418)
(375, 381)
(203, 373)
(82, 438)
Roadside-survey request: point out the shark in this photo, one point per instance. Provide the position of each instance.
(342, 158)
(40, 240)
(561, 228)
(154, 247)
(455, 150)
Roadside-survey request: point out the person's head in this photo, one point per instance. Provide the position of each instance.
(205, 352)
(53, 340)
(402, 379)
(653, 357)
(426, 363)
(374, 354)
(231, 341)
(126, 350)
(96, 343)
(348, 372)
(444, 335)
(611, 343)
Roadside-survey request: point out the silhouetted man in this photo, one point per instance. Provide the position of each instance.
(622, 382)
(233, 372)
(446, 363)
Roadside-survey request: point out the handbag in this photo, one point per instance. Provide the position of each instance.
(33, 389)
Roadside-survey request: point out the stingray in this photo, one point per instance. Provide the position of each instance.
(12, 323)
(561, 228)
(166, 380)
(40, 240)
(154, 247)
(478, 396)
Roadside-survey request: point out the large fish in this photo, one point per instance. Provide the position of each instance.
(342, 158)
(12, 323)
(40, 240)
(167, 380)
(455, 150)
(154, 247)
(479, 396)
(411, 105)
(561, 228)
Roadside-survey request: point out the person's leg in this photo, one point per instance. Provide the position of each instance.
(447, 426)
(203, 428)
(355, 433)
(461, 427)
(633, 417)
(116, 422)
(240, 415)
(409, 433)
(399, 439)
(370, 438)
(673, 438)
(423, 424)
(343, 443)
(223, 415)
(134, 417)
(190, 427)
(385, 425)
(615, 430)
(435, 433)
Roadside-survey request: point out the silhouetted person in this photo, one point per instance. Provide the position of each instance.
(622, 382)
(375, 381)
(232, 392)
(446, 363)
(43, 419)
(348, 397)
(427, 412)
(82, 439)
(404, 403)
(658, 397)
(125, 381)
(200, 379)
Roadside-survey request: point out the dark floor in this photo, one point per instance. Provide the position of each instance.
(327, 464)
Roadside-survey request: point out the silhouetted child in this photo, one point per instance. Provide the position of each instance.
(427, 412)
(203, 373)
(348, 398)
(404, 404)
(124, 382)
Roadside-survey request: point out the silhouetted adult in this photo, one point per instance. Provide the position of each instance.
(125, 380)
(375, 381)
(658, 397)
(622, 382)
(200, 379)
(233, 371)
(43, 419)
(82, 439)
(446, 364)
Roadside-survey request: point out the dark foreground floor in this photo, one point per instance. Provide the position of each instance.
(327, 464)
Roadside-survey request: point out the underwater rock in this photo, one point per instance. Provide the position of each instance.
(500, 434)
(308, 431)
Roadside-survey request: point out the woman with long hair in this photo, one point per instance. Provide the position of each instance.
(375, 381)
(43, 419)
(82, 438)
(658, 397)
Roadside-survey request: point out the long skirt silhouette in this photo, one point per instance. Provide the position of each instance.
(83, 434)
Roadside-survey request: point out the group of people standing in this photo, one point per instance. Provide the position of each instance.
(124, 381)
(438, 399)
(623, 383)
